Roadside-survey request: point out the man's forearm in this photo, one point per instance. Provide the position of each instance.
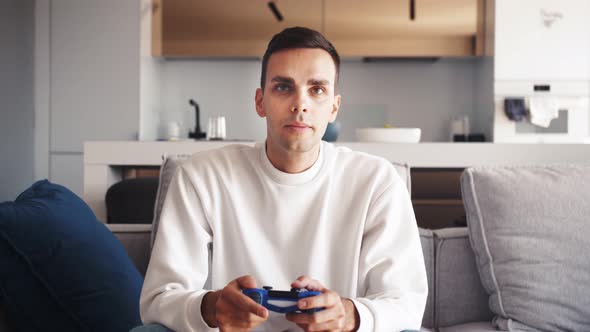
(352, 318)
(208, 308)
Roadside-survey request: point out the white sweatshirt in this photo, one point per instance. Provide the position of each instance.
(347, 222)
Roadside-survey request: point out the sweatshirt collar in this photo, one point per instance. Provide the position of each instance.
(289, 178)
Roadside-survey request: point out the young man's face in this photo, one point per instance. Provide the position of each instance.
(298, 100)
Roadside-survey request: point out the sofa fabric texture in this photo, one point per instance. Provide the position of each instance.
(60, 268)
(167, 170)
(427, 241)
(459, 296)
(530, 231)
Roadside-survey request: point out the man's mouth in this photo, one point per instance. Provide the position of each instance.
(298, 125)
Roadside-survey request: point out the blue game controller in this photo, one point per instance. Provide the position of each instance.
(280, 301)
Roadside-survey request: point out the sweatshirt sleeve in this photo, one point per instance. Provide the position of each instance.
(392, 274)
(178, 268)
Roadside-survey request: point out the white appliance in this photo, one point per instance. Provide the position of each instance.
(542, 52)
(572, 125)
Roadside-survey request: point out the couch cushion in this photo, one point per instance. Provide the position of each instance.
(60, 268)
(427, 241)
(530, 230)
(460, 297)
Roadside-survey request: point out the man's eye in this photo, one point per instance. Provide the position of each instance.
(282, 87)
(318, 90)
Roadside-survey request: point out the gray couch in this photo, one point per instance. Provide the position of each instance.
(522, 264)
(528, 241)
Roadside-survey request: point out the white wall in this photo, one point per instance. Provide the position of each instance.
(401, 93)
(16, 97)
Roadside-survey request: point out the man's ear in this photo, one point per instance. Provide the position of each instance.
(259, 104)
(335, 108)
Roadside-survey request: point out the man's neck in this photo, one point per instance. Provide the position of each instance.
(292, 162)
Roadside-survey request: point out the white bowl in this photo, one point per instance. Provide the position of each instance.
(389, 135)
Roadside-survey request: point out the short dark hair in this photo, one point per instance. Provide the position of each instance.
(298, 37)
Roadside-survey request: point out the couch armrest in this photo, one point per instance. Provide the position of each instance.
(136, 240)
(459, 295)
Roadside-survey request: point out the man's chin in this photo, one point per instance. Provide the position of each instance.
(300, 145)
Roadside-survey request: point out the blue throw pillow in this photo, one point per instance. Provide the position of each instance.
(61, 269)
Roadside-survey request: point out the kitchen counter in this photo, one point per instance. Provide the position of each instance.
(105, 160)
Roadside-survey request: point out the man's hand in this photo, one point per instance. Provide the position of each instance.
(339, 314)
(231, 310)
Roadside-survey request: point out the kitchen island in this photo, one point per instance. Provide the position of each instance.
(105, 161)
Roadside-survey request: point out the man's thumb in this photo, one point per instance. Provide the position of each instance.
(246, 282)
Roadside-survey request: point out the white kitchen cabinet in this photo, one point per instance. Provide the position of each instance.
(542, 40)
(94, 72)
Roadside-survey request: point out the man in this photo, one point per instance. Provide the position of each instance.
(291, 212)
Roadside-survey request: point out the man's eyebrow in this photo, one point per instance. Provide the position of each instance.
(314, 81)
(283, 79)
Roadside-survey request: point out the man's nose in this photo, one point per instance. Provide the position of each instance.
(301, 103)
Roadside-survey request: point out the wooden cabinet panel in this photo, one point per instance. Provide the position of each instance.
(436, 197)
(380, 28)
(387, 28)
(432, 183)
(435, 216)
(225, 28)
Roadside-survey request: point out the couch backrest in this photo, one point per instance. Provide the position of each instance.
(456, 295)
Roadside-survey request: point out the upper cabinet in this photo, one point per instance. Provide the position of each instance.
(405, 27)
(228, 28)
(542, 40)
(368, 28)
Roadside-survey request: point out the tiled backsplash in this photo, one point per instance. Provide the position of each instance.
(400, 93)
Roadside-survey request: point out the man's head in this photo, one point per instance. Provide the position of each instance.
(297, 89)
(298, 37)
